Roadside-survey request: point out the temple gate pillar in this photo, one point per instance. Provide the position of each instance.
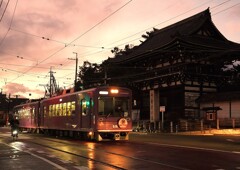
(154, 106)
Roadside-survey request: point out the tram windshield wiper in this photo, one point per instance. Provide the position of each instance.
(108, 115)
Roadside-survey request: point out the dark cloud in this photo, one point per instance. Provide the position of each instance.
(20, 89)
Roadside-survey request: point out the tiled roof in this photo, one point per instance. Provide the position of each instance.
(184, 30)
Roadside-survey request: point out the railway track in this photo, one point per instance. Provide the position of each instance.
(60, 147)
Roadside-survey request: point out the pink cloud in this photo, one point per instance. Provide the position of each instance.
(21, 90)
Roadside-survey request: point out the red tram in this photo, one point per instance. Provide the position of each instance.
(98, 113)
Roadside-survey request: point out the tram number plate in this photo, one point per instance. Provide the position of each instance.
(115, 126)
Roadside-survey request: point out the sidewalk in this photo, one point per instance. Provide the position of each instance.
(217, 132)
(204, 132)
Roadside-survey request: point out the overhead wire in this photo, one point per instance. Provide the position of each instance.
(53, 40)
(146, 30)
(121, 39)
(5, 35)
(160, 23)
(96, 52)
(169, 20)
(1, 3)
(220, 4)
(59, 50)
(4, 10)
(124, 43)
(226, 9)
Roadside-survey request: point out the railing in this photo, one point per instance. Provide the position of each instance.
(185, 125)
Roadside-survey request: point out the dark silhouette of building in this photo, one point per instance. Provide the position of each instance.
(173, 67)
(6, 105)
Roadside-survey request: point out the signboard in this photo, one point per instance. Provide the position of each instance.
(162, 108)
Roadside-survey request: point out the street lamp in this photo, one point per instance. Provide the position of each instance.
(76, 59)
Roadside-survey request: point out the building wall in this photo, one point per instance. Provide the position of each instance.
(225, 106)
(229, 109)
(235, 112)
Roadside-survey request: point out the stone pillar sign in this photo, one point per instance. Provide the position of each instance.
(154, 105)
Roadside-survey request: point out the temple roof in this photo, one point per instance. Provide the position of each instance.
(197, 30)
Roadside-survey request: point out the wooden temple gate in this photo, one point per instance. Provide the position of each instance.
(173, 67)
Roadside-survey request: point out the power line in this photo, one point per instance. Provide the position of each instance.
(226, 9)
(220, 4)
(53, 40)
(100, 22)
(101, 51)
(5, 35)
(4, 10)
(56, 52)
(1, 3)
(169, 20)
(153, 27)
(160, 23)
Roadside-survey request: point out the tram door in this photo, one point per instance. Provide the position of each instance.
(86, 110)
(35, 115)
(34, 120)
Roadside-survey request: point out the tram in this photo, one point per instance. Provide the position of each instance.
(99, 113)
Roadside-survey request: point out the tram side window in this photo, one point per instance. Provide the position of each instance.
(44, 111)
(50, 111)
(18, 112)
(24, 113)
(27, 113)
(57, 110)
(33, 113)
(60, 109)
(68, 108)
(54, 110)
(73, 108)
(85, 107)
(64, 109)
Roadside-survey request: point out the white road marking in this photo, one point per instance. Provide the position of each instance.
(192, 147)
(39, 157)
(52, 156)
(230, 140)
(63, 161)
(81, 167)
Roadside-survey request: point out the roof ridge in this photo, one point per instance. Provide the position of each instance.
(183, 21)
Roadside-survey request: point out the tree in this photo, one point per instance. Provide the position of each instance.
(233, 70)
(90, 75)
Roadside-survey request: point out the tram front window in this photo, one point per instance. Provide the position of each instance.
(113, 106)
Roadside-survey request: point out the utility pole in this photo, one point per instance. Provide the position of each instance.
(50, 82)
(76, 59)
(52, 87)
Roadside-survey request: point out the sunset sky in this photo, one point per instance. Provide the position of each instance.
(36, 35)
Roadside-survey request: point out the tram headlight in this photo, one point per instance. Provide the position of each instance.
(103, 92)
(114, 91)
